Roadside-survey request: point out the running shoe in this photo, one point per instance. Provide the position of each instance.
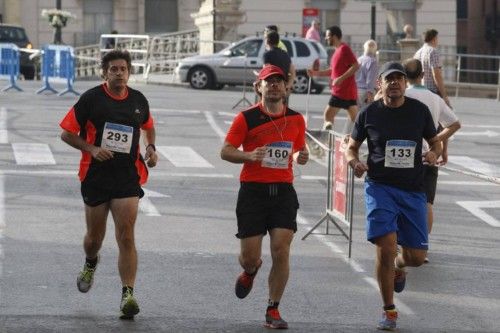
(426, 260)
(244, 282)
(128, 306)
(388, 321)
(274, 320)
(399, 279)
(327, 126)
(86, 277)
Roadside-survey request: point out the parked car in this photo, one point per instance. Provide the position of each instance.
(239, 62)
(17, 35)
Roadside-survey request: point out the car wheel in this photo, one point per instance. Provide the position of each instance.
(300, 83)
(200, 78)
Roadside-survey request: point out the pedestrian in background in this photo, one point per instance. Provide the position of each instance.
(313, 32)
(394, 127)
(441, 115)
(272, 136)
(343, 66)
(429, 56)
(274, 28)
(366, 76)
(106, 124)
(277, 57)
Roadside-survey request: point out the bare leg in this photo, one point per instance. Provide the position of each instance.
(384, 266)
(280, 253)
(96, 218)
(251, 251)
(125, 214)
(330, 113)
(411, 257)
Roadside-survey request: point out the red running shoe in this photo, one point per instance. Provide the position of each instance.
(244, 283)
(274, 320)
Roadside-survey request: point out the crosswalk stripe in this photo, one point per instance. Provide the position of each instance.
(3, 125)
(184, 156)
(33, 154)
(475, 165)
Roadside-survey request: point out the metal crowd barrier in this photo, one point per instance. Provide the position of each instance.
(340, 188)
(9, 65)
(58, 65)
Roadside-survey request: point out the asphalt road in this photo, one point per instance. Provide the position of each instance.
(185, 231)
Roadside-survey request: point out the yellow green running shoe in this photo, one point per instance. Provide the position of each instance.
(128, 306)
(86, 277)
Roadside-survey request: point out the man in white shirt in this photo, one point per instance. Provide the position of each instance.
(441, 115)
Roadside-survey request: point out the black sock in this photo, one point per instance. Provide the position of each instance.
(272, 305)
(389, 307)
(125, 288)
(91, 262)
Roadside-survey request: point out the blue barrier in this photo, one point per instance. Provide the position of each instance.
(58, 64)
(9, 64)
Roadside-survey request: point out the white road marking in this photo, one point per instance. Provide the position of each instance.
(176, 111)
(146, 206)
(480, 126)
(487, 133)
(465, 183)
(476, 209)
(475, 165)
(33, 154)
(4, 138)
(227, 114)
(213, 124)
(355, 266)
(184, 157)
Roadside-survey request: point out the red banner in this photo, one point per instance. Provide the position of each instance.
(339, 177)
(308, 15)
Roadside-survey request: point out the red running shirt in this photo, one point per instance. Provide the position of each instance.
(254, 127)
(341, 61)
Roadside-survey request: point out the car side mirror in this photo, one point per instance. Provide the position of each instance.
(227, 53)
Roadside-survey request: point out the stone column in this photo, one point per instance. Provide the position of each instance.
(217, 23)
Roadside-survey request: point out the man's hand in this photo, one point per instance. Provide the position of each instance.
(151, 157)
(101, 154)
(303, 156)
(430, 158)
(444, 158)
(358, 167)
(258, 154)
(310, 73)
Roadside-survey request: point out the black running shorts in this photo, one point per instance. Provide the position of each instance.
(100, 187)
(262, 207)
(430, 182)
(336, 102)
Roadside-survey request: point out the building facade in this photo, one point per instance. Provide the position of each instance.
(95, 17)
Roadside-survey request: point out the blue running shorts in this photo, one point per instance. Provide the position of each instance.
(390, 209)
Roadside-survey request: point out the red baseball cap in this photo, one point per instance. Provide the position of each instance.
(270, 70)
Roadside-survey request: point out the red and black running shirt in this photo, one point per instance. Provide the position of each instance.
(98, 106)
(255, 127)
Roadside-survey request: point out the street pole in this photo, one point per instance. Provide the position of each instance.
(57, 32)
(374, 8)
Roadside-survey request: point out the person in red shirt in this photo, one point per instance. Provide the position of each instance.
(272, 136)
(106, 124)
(343, 66)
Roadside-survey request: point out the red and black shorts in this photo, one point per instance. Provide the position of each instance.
(104, 184)
(262, 207)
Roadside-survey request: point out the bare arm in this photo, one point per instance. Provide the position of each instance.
(149, 139)
(350, 72)
(232, 154)
(301, 156)
(77, 142)
(325, 72)
(435, 150)
(352, 157)
(438, 78)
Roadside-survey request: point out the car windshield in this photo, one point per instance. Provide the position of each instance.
(319, 48)
(12, 34)
(249, 48)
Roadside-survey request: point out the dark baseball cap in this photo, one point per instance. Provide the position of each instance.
(270, 70)
(391, 67)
